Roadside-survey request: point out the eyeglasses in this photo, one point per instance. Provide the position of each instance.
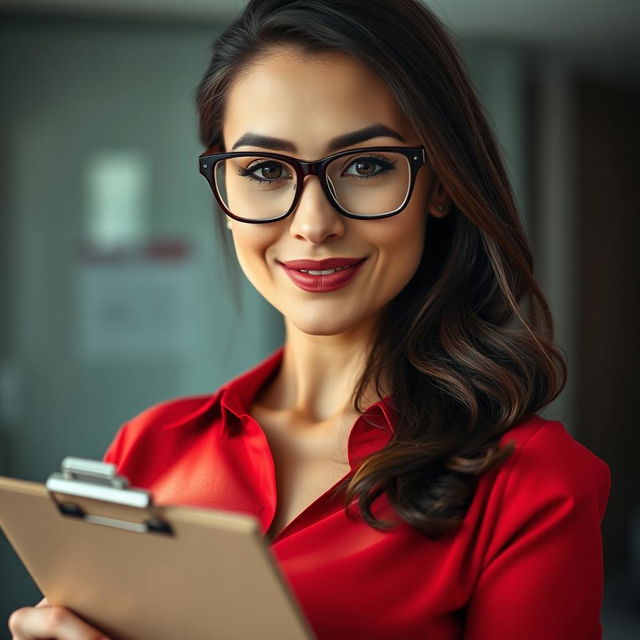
(365, 184)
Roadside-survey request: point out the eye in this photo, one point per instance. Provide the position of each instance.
(265, 171)
(368, 167)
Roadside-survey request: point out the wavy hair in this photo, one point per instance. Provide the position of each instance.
(466, 349)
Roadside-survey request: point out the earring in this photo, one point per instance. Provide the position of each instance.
(228, 224)
(440, 207)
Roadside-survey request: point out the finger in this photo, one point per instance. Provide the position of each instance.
(30, 623)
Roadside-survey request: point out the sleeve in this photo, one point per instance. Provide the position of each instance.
(542, 575)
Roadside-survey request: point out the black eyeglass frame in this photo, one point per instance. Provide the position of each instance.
(207, 163)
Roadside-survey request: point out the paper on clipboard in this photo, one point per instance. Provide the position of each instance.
(139, 571)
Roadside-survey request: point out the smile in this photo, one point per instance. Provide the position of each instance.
(325, 280)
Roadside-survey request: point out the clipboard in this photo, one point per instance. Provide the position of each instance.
(139, 571)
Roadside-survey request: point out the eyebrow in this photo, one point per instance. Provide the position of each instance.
(345, 140)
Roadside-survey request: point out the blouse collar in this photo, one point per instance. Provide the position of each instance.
(237, 395)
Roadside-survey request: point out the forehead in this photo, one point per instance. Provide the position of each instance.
(309, 99)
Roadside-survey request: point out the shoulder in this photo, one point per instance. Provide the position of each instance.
(544, 449)
(549, 471)
(164, 419)
(173, 412)
(177, 422)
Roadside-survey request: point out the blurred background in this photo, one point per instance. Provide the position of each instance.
(114, 294)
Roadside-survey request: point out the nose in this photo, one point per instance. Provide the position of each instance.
(314, 218)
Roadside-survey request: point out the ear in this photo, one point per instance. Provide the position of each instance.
(439, 210)
(440, 202)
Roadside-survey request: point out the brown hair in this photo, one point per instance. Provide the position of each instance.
(466, 348)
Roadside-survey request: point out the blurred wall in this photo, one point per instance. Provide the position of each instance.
(77, 90)
(608, 295)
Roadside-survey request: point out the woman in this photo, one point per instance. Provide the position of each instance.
(391, 449)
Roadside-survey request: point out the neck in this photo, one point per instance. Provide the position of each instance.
(318, 374)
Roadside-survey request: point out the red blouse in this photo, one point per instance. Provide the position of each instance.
(526, 564)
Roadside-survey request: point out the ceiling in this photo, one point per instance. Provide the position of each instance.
(602, 36)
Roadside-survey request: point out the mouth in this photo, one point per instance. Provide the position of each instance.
(322, 265)
(322, 275)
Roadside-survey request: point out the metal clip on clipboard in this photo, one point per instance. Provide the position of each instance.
(97, 481)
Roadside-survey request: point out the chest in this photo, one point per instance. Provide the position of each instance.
(307, 464)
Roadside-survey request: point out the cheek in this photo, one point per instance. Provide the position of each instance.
(251, 247)
(402, 246)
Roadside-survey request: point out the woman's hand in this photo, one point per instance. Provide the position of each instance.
(45, 621)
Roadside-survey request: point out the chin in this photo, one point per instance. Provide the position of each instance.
(324, 326)
(332, 320)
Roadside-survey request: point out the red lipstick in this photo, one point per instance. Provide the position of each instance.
(306, 273)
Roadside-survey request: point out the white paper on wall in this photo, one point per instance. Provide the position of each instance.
(136, 308)
(118, 190)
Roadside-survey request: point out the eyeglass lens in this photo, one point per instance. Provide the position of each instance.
(258, 187)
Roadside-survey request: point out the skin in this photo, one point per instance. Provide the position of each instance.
(45, 621)
(308, 100)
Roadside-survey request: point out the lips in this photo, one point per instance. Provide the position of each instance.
(319, 265)
(312, 280)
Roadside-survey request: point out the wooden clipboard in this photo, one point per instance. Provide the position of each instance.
(139, 571)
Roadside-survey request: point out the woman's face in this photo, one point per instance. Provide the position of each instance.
(307, 100)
